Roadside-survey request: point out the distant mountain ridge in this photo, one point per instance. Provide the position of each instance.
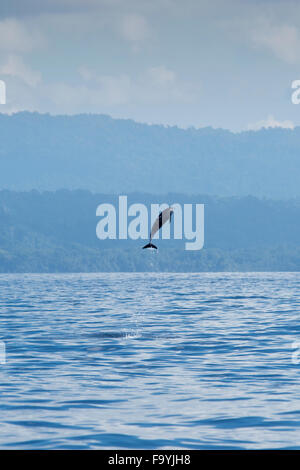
(101, 154)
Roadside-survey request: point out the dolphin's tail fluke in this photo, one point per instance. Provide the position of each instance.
(150, 245)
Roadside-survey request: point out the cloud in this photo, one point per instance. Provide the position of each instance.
(154, 88)
(15, 67)
(161, 75)
(281, 40)
(15, 37)
(36, 7)
(134, 27)
(86, 73)
(156, 84)
(206, 63)
(271, 122)
(100, 91)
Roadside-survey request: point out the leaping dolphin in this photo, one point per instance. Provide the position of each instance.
(163, 217)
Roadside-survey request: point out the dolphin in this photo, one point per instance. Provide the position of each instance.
(163, 217)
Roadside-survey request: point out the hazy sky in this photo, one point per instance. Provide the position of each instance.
(195, 63)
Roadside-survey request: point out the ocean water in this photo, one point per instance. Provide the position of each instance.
(157, 361)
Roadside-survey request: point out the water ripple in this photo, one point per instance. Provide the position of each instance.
(199, 361)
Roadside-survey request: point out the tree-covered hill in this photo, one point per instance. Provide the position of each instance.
(101, 154)
(56, 232)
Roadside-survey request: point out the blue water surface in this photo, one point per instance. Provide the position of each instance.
(193, 361)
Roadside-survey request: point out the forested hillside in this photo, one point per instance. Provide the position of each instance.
(101, 154)
(56, 232)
